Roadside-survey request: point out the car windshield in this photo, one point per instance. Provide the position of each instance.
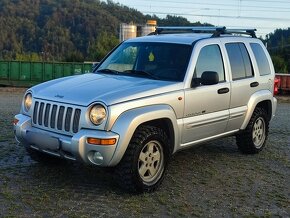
(161, 61)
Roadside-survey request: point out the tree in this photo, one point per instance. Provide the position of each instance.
(278, 44)
(280, 64)
(103, 45)
(28, 57)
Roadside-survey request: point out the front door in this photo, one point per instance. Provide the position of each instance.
(206, 110)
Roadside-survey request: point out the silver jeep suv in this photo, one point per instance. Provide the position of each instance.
(151, 97)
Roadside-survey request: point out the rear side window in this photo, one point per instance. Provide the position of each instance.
(210, 59)
(241, 65)
(261, 58)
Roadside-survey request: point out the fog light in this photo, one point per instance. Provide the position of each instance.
(97, 158)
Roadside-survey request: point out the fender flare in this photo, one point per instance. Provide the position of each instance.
(256, 98)
(127, 123)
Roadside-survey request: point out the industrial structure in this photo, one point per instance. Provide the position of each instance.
(128, 31)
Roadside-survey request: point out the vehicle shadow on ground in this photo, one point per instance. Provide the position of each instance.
(77, 178)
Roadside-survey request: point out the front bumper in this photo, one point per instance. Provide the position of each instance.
(69, 147)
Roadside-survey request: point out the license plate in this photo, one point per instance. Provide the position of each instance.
(43, 141)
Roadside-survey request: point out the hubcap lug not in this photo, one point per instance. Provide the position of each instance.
(150, 161)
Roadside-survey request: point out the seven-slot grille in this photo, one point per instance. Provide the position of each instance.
(57, 117)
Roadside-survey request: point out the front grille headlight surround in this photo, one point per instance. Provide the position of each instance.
(27, 101)
(97, 114)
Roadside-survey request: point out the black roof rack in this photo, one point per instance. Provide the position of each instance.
(216, 31)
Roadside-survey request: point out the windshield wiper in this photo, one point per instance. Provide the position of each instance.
(141, 73)
(109, 71)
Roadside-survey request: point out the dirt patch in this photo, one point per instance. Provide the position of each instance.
(283, 98)
(12, 90)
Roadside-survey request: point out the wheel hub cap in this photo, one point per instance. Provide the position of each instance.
(258, 134)
(150, 163)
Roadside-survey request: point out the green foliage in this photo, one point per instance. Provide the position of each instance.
(278, 44)
(74, 56)
(66, 30)
(28, 57)
(279, 64)
(175, 21)
(105, 43)
(59, 30)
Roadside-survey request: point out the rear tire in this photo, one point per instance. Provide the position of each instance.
(144, 163)
(253, 139)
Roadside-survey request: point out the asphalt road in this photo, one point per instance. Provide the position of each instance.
(211, 180)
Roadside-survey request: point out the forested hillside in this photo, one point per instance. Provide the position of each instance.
(59, 29)
(278, 44)
(78, 30)
(65, 30)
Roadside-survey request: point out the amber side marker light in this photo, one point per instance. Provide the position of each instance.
(15, 121)
(96, 141)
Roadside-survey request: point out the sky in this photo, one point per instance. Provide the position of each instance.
(264, 15)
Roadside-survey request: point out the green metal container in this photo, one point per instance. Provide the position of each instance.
(26, 74)
(4, 70)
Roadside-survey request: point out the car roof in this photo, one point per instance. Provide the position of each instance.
(184, 38)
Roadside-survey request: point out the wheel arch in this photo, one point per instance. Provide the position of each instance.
(161, 116)
(263, 99)
(167, 126)
(267, 105)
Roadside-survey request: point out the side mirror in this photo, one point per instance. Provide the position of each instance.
(195, 82)
(209, 78)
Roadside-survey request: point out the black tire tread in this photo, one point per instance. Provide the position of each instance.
(244, 138)
(125, 170)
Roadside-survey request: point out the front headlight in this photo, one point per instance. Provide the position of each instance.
(27, 101)
(98, 114)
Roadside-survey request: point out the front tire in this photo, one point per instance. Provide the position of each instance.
(253, 139)
(143, 165)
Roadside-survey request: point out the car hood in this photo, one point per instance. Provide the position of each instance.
(106, 88)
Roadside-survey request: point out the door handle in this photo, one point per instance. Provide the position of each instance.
(254, 84)
(223, 90)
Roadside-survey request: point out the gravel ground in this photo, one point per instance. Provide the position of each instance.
(211, 180)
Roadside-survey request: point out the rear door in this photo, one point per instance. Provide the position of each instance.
(243, 81)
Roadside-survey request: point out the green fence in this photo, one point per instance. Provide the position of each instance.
(26, 74)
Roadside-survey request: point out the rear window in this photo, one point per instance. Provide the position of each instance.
(241, 65)
(261, 58)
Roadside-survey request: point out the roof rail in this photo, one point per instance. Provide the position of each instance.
(216, 31)
(250, 32)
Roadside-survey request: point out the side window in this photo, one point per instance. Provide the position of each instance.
(261, 58)
(241, 65)
(210, 59)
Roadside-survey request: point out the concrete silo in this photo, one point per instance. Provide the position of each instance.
(149, 27)
(127, 31)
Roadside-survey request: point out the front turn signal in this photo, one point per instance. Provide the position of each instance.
(97, 141)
